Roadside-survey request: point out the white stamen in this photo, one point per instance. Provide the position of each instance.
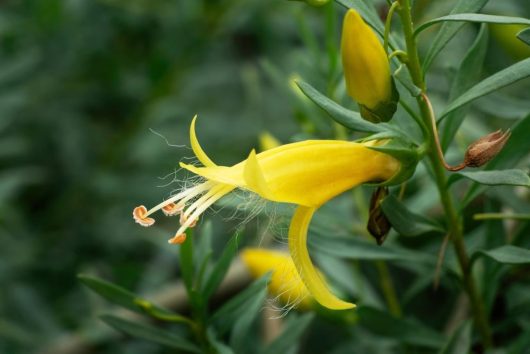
(186, 194)
(191, 219)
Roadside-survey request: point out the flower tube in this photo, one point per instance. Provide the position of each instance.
(306, 173)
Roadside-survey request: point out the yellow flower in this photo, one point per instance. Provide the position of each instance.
(366, 67)
(285, 282)
(306, 173)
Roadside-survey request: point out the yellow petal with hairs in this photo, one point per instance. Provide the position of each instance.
(366, 66)
(285, 282)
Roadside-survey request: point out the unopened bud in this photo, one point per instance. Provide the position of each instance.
(486, 148)
(378, 225)
(367, 70)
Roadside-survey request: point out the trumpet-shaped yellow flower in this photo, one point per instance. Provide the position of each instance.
(306, 173)
(366, 68)
(285, 282)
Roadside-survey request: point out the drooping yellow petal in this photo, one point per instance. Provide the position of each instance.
(196, 147)
(285, 282)
(298, 248)
(366, 66)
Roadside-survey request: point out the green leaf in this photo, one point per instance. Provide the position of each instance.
(404, 221)
(470, 17)
(219, 346)
(150, 333)
(186, 261)
(524, 36)
(514, 73)
(468, 74)
(495, 178)
(449, 29)
(503, 106)
(403, 330)
(128, 300)
(243, 323)
(358, 249)
(290, 336)
(507, 254)
(235, 307)
(349, 119)
(460, 341)
(221, 267)
(111, 292)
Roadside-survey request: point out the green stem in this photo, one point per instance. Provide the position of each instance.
(453, 220)
(388, 25)
(501, 216)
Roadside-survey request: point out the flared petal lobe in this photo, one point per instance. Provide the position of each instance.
(366, 66)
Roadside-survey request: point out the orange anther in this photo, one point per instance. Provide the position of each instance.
(178, 239)
(139, 216)
(172, 209)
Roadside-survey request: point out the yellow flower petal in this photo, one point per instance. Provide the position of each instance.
(285, 282)
(196, 147)
(298, 248)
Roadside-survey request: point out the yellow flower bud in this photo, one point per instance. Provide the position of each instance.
(366, 66)
(285, 282)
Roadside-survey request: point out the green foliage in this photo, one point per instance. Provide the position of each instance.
(96, 99)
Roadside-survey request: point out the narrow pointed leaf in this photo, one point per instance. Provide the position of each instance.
(514, 73)
(128, 300)
(111, 292)
(449, 29)
(460, 341)
(150, 333)
(524, 36)
(235, 307)
(470, 17)
(221, 267)
(290, 336)
(355, 248)
(506, 254)
(495, 178)
(243, 323)
(403, 330)
(350, 119)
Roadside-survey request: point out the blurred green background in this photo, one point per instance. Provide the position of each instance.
(93, 96)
